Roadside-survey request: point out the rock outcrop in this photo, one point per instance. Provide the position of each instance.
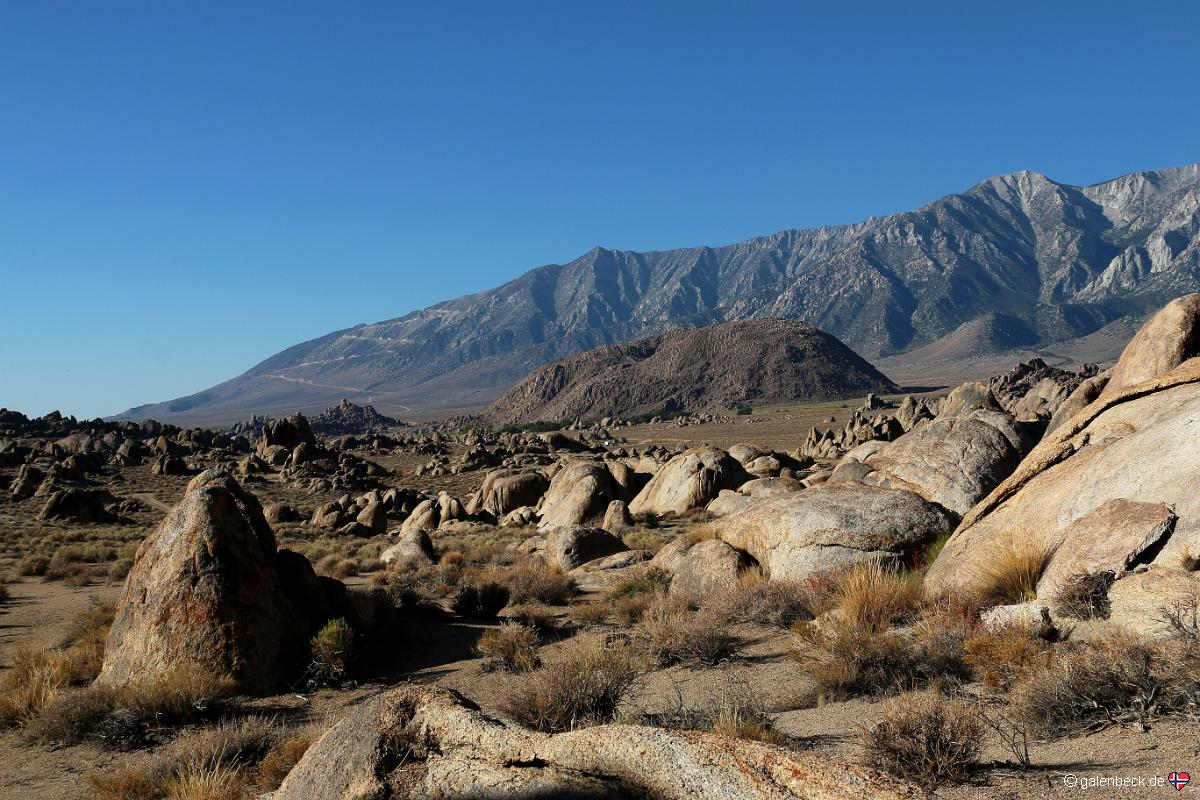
(205, 591)
(570, 546)
(833, 526)
(579, 492)
(431, 743)
(953, 460)
(689, 481)
(1111, 487)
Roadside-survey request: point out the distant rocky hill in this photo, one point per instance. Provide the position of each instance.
(348, 418)
(1046, 261)
(720, 366)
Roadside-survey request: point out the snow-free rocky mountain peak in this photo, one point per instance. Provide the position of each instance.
(1053, 262)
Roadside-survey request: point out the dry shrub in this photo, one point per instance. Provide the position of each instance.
(739, 714)
(678, 635)
(1001, 657)
(118, 569)
(452, 558)
(541, 619)
(1122, 679)
(511, 647)
(33, 565)
(647, 581)
(845, 656)
(1011, 575)
(844, 659)
(925, 738)
(336, 566)
(766, 602)
(484, 601)
(584, 688)
(1085, 596)
(277, 763)
(533, 582)
(628, 609)
(1182, 616)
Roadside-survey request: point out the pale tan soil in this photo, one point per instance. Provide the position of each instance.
(779, 427)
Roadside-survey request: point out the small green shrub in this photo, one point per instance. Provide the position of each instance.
(332, 650)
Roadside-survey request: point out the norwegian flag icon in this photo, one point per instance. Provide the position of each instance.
(1179, 780)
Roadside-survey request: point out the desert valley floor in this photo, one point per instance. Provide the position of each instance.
(782, 579)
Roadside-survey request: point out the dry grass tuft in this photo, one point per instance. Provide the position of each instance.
(875, 597)
(121, 717)
(703, 532)
(277, 763)
(678, 635)
(1011, 575)
(643, 539)
(207, 781)
(590, 613)
(127, 784)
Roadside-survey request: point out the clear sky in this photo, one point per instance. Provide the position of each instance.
(189, 187)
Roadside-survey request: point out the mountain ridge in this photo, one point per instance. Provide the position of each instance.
(759, 361)
(1064, 260)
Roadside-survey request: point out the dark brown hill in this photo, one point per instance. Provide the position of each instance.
(755, 361)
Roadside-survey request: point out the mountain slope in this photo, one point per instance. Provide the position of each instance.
(1062, 260)
(755, 361)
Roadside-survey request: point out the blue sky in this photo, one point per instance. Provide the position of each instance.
(189, 187)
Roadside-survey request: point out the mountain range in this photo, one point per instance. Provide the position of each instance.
(1027, 260)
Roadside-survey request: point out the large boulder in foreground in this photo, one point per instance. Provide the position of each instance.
(452, 750)
(578, 493)
(204, 591)
(689, 481)
(832, 526)
(1111, 489)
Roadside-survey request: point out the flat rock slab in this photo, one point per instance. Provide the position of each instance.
(1109, 538)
